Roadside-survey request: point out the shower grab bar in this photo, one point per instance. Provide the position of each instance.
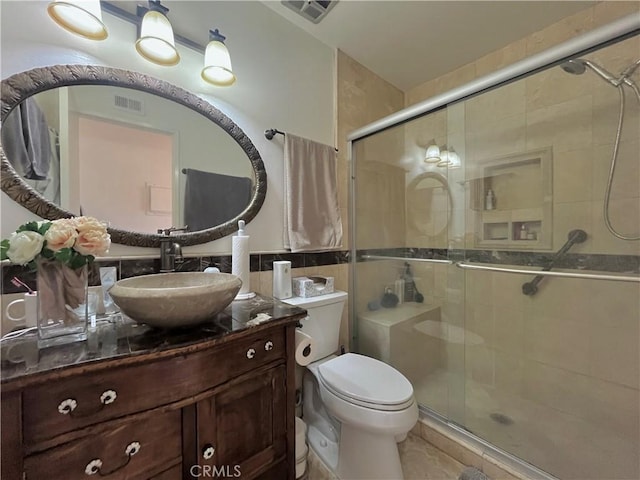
(407, 259)
(575, 236)
(587, 276)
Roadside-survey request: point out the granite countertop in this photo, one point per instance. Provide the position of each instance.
(119, 337)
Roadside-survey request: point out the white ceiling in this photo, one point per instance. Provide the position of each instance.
(410, 42)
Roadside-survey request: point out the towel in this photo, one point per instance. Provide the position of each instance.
(312, 215)
(212, 198)
(25, 139)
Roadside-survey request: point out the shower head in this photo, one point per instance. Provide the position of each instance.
(577, 66)
(574, 67)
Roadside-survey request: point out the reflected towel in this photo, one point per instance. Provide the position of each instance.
(212, 198)
(25, 139)
(312, 215)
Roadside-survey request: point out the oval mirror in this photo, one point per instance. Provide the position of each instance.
(128, 149)
(429, 204)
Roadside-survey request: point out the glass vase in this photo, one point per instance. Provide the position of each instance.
(62, 303)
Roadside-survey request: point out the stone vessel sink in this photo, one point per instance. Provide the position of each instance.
(177, 299)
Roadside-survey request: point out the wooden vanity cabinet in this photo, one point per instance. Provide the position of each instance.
(224, 410)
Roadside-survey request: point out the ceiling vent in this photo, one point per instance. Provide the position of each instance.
(130, 104)
(312, 10)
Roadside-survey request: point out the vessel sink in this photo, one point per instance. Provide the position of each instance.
(177, 299)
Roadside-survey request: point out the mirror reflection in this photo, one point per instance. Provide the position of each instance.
(428, 204)
(134, 159)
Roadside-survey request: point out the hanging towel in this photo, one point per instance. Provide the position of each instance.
(25, 139)
(312, 216)
(212, 198)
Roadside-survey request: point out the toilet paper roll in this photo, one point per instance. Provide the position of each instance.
(304, 348)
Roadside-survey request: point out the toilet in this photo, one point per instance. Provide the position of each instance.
(356, 408)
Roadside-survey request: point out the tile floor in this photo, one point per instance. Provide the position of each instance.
(420, 461)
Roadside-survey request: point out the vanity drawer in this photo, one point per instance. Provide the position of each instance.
(136, 450)
(86, 399)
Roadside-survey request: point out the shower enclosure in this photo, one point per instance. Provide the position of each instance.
(505, 217)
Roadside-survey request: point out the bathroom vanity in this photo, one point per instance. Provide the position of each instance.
(215, 401)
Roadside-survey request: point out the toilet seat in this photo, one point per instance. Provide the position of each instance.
(366, 382)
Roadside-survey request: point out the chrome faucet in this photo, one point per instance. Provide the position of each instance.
(170, 250)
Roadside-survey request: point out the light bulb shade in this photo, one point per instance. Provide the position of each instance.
(217, 65)
(433, 154)
(444, 158)
(454, 160)
(82, 17)
(156, 42)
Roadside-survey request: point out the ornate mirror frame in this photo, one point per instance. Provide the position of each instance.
(25, 84)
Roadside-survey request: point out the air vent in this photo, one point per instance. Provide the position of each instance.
(312, 10)
(129, 104)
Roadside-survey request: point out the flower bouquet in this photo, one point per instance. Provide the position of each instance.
(59, 251)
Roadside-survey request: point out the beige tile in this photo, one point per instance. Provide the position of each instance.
(624, 215)
(626, 179)
(571, 216)
(491, 138)
(547, 338)
(564, 126)
(614, 353)
(614, 407)
(509, 372)
(606, 12)
(506, 101)
(556, 388)
(501, 58)
(495, 471)
(572, 175)
(553, 86)
(509, 329)
(442, 442)
(560, 31)
(420, 460)
(606, 114)
(479, 364)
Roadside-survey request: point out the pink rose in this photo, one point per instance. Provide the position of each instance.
(92, 242)
(83, 224)
(93, 238)
(61, 234)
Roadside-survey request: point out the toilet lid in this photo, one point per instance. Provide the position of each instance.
(366, 381)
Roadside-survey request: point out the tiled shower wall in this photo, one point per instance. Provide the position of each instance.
(574, 347)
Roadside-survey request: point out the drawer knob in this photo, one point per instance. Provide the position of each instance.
(268, 346)
(251, 353)
(67, 406)
(95, 465)
(108, 396)
(208, 451)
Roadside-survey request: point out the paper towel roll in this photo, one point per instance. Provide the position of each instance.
(304, 348)
(240, 261)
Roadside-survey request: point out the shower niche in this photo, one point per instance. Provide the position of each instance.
(512, 198)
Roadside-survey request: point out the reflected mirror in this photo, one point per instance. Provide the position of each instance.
(428, 204)
(130, 150)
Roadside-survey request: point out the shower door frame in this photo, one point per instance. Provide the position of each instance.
(625, 27)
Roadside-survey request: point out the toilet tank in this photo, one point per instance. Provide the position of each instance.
(322, 324)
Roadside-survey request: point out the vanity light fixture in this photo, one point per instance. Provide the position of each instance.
(217, 62)
(444, 157)
(432, 154)
(155, 40)
(82, 17)
(454, 160)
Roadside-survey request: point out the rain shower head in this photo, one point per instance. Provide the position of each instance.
(577, 66)
(574, 67)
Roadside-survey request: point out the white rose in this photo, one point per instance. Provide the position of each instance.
(24, 246)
